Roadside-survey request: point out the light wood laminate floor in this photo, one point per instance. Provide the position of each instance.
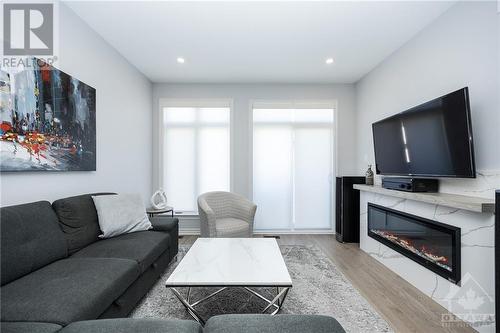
(404, 307)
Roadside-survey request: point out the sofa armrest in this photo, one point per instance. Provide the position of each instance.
(164, 223)
(171, 226)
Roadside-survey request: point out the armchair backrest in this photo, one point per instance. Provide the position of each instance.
(220, 202)
(223, 204)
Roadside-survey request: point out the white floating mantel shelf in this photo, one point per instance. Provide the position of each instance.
(475, 204)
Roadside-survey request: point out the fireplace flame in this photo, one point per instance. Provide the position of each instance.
(424, 252)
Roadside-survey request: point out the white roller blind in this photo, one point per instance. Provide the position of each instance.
(293, 165)
(195, 152)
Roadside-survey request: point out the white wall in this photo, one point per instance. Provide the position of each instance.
(124, 122)
(242, 95)
(459, 49)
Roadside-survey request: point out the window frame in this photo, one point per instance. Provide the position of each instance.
(192, 103)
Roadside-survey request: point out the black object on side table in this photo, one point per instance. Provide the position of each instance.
(347, 209)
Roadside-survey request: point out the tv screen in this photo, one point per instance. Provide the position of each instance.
(433, 139)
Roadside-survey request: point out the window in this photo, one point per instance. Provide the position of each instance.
(195, 151)
(293, 166)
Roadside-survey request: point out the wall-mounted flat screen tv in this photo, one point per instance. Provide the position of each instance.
(433, 139)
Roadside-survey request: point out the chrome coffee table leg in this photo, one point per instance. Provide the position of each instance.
(276, 302)
(188, 307)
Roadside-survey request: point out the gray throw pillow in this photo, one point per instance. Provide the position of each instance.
(121, 214)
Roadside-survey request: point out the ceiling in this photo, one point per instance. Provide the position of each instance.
(264, 42)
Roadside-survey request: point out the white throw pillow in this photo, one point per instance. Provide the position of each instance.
(121, 214)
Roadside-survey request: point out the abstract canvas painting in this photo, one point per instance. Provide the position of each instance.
(47, 120)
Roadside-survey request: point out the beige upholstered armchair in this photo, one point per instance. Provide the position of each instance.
(225, 214)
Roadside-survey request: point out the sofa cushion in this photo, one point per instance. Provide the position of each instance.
(31, 238)
(144, 247)
(134, 326)
(67, 290)
(121, 214)
(260, 323)
(78, 219)
(28, 327)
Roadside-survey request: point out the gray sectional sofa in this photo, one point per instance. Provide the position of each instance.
(234, 323)
(55, 269)
(58, 276)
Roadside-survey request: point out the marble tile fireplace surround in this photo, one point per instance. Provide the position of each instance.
(472, 297)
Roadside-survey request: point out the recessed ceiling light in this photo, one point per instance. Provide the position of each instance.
(181, 60)
(329, 61)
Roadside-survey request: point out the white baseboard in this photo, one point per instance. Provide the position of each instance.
(296, 232)
(189, 232)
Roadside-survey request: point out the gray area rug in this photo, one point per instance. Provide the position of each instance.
(318, 288)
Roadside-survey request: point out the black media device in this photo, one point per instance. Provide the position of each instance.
(410, 184)
(433, 139)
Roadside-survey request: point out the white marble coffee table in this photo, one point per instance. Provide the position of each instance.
(232, 262)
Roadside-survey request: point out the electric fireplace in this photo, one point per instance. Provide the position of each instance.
(432, 244)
